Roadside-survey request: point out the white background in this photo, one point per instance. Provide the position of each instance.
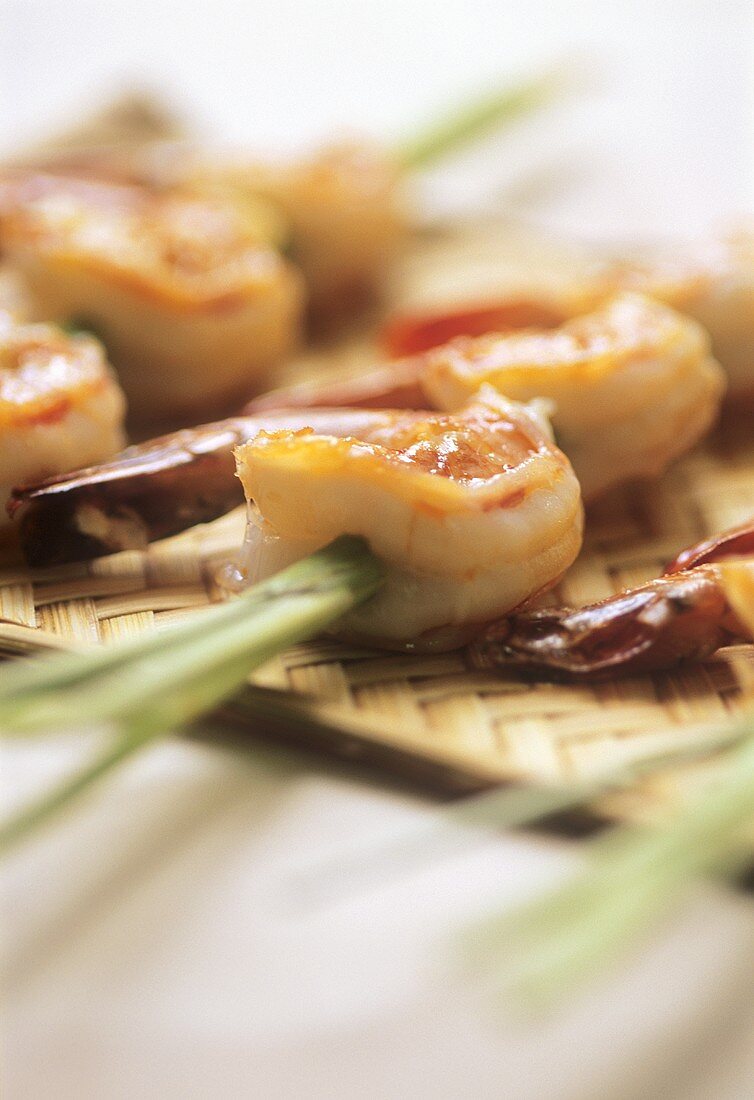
(156, 946)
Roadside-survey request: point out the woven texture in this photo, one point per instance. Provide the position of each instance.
(435, 717)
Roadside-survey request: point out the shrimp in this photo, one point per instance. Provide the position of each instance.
(175, 482)
(633, 385)
(684, 615)
(344, 216)
(714, 284)
(473, 514)
(338, 211)
(193, 309)
(154, 489)
(736, 543)
(60, 405)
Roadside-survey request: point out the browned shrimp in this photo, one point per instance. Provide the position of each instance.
(684, 615)
(60, 404)
(337, 210)
(193, 305)
(343, 211)
(632, 385)
(712, 282)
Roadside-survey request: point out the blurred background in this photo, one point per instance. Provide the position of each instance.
(658, 140)
(173, 968)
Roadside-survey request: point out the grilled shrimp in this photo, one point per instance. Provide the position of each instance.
(714, 284)
(172, 483)
(60, 405)
(192, 307)
(154, 489)
(684, 615)
(338, 212)
(343, 213)
(633, 385)
(472, 513)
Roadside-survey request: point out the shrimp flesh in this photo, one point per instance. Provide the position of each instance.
(193, 308)
(60, 405)
(713, 283)
(153, 489)
(338, 212)
(633, 385)
(473, 514)
(344, 216)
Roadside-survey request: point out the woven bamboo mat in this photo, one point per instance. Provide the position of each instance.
(435, 718)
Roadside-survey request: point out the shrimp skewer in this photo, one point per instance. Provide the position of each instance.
(684, 615)
(633, 385)
(60, 405)
(472, 514)
(660, 368)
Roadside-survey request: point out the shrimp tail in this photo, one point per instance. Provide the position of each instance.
(736, 543)
(656, 626)
(148, 492)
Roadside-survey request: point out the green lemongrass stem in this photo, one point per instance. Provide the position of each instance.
(634, 877)
(162, 682)
(477, 118)
(184, 669)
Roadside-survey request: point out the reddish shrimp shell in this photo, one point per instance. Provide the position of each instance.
(413, 334)
(736, 543)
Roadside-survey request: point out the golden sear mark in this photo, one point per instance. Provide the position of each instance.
(593, 343)
(44, 373)
(492, 456)
(174, 246)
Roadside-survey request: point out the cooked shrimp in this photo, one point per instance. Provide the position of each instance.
(168, 485)
(343, 212)
(677, 618)
(633, 385)
(60, 405)
(738, 542)
(415, 333)
(473, 514)
(157, 488)
(684, 615)
(714, 284)
(192, 308)
(338, 211)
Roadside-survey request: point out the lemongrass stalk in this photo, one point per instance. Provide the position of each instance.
(634, 877)
(183, 671)
(473, 120)
(151, 685)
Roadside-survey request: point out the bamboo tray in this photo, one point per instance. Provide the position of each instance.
(437, 719)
